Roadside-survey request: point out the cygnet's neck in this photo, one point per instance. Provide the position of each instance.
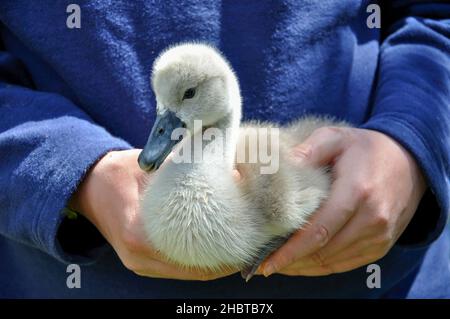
(222, 150)
(228, 126)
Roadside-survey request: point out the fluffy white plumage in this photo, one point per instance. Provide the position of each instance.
(197, 214)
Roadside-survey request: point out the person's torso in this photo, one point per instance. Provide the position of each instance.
(291, 57)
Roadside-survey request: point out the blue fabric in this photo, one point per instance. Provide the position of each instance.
(68, 96)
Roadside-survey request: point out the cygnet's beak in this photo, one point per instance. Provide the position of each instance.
(160, 143)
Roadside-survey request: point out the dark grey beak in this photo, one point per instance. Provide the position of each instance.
(159, 144)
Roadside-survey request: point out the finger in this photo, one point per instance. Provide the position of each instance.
(176, 271)
(356, 234)
(144, 259)
(308, 272)
(360, 247)
(326, 222)
(322, 146)
(161, 269)
(339, 267)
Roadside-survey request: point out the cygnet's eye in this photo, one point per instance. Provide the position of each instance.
(189, 93)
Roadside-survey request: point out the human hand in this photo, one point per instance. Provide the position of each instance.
(109, 198)
(376, 190)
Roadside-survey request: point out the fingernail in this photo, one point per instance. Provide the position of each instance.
(259, 271)
(268, 270)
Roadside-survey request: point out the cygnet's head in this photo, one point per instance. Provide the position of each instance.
(191, 82)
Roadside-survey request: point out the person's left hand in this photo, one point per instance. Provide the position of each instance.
(376, 190)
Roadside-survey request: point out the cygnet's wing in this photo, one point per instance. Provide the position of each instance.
(249, 271)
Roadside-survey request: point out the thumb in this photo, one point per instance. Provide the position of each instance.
(322, 146)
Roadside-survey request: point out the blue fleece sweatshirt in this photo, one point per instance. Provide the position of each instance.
(68, 96)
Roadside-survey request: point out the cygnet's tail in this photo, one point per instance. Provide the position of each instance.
(249, 271)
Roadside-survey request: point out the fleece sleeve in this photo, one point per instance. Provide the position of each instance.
(412, 101)
(47, 144)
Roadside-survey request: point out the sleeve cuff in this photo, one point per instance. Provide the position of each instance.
(73, 241)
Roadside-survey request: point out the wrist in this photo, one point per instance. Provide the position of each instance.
(80, 200)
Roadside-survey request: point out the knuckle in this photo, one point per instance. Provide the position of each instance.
(131, 242)
(381, 221)
(363, 191)
(111, 163)
(336, 131)
(324, 133)
(347, 208)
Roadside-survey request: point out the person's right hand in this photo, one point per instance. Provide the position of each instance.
(109, 198)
